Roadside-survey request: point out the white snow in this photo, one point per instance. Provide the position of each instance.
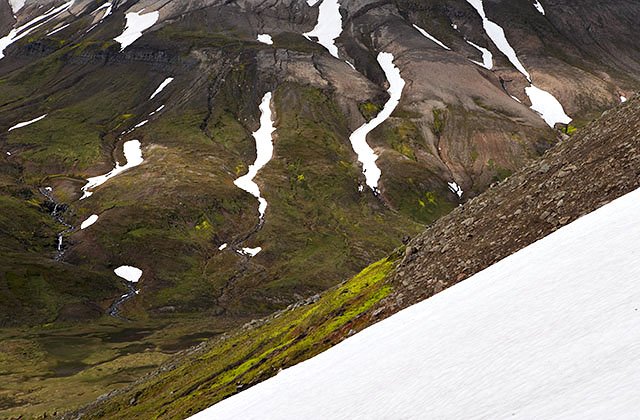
(312, 2)
(264, 151)
(223, 246)
(487, 57)
(136, 24)
(108, 9)
(623, 99)
(431, 37)
(128, 273)
(132, 153)
(26, 123)
(8, 153)
(538, 6)
(547, 106)
(551, 332)
(542, 101)
(265, 39)
(140, 124)
(328, 27)
(90, 220)
(456, 189)
(16, 5)
(497, 36)
(358, 138)
(24, 30)
(160, 88)
(160, 108)
(251, 252)
(55, 31)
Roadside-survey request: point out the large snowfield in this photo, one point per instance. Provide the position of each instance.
(552, 331)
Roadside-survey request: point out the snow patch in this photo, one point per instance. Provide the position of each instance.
(329, 26)
(26, 123)
(265, 39)
(108, 9)
(250, 252)
(223, 246)
(550, 332)
(358, 138)
(136, 24)
(55, 31)
(623, 99)
(487, 57)
(538, 6)
(20, 32)
(456, 189)
(90, 220)
(128, 273)
(264, 152)
(547, 106)
(133, 154)
(542, 101)
(16, 5)
(497, 36)
(160, 88)
(431, 37)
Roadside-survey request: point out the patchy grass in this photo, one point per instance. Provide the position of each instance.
(252, 354)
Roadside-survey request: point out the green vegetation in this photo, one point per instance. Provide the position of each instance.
(253, 354)
(369, 110)
(439, 121)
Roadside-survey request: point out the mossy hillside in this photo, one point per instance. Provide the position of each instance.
(318, 226)
(33, 287)
(251, 355)
(71, 138)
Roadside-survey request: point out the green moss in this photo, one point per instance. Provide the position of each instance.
(369, 110)
(252, 355)
(439, 121)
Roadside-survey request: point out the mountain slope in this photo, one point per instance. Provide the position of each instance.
(549, 332)
(606, 155)
(184, 83)
(456, 122)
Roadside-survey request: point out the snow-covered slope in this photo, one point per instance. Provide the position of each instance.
(549, 332)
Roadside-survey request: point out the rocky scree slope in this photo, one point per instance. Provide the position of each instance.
(597, 165)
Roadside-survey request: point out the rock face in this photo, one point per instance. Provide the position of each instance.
(576, 177)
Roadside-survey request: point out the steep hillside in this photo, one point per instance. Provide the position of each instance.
(457, 123)
(170, 170)
(548, 332)
(605, 164)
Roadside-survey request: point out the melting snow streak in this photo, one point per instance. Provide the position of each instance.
(538, 6)
(264, 151)
(487, 57)
(26, 123)
(358, 138)
(431, 37)
(161, 87)
(132, 153)
(24, 30)
(542, 102)
(329, 26)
